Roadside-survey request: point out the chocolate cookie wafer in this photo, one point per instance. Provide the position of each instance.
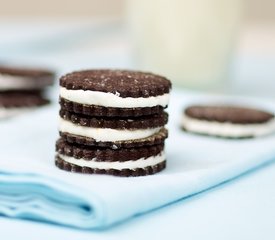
(114, 93)
(14, 103)
(144, 122)
(228, 121)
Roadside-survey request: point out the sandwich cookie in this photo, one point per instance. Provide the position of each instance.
(228, 121)
(112, 93)
(122, 162)
(22, 89)
(113, 132)
(15, 78)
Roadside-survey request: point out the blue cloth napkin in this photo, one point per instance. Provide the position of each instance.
(31, 187)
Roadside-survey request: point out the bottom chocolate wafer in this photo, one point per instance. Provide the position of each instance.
(13, 103)
(125, 172)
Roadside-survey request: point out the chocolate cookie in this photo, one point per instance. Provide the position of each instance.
(106, 154)
(100, 111)
(228, 121)
(14, 103)
(124, 172)
(114, 93)
(154, 139)
(143, 122)
(15, 78)
(15, 99)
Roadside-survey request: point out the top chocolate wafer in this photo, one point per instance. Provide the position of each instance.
(18, 78)
(114, 93)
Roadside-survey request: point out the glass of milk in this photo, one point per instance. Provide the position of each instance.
(189, 41)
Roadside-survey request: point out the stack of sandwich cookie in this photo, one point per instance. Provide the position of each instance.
(228, 121)
(22, 89)
(112, 122)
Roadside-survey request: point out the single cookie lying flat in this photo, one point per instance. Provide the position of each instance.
(228, 121)
(14, 78)
(114, 93)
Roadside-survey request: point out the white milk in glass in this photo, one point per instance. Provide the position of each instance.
(189, 41)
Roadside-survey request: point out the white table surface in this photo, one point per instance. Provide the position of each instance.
(240, 209)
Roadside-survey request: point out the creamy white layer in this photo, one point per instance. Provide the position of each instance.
(131, 164)
(8, 82)
(105, 134)
(112, 100)
(11, 112)
(227, 129)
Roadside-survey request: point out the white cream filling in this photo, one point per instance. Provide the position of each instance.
(8, 82)
(227, 129)
(112, 100)
(131, 164)
(105, 134)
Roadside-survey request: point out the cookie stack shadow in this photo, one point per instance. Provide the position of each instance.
(112, 122)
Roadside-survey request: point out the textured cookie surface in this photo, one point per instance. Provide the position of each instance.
(25, 72)
(95, 110)
(155, 139)
(60, 163)
(236, 115)
(125, 83)
(21, 99)
(144, 122)
(106, 154)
